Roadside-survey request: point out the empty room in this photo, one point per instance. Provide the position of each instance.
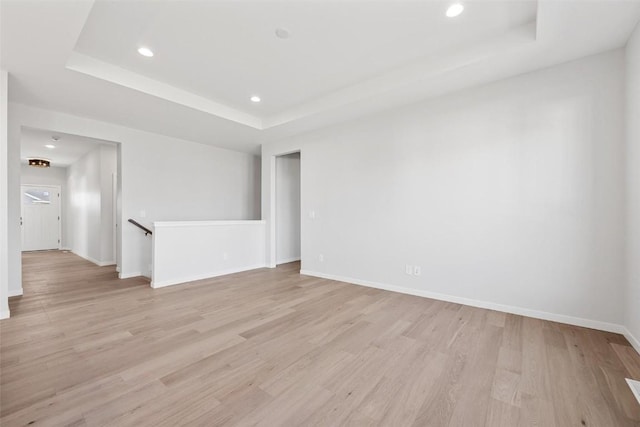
(320, 213)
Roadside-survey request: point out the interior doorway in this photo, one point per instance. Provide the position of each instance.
(288, 208)
(70, 193)
(40, 217)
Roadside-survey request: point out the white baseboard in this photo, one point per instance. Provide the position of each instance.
(95, 261)
(129, 275)
(15, 293)
(288, 260)
(635, 342)
(4, 314)
(635, 388)
(560, 318)
(162, 284)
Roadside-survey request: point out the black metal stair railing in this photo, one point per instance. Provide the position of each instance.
(140, 226)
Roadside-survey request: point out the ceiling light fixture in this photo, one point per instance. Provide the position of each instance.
(255, 99)
(39, 163)
(455, 10)
(50, 146)
(145, 51)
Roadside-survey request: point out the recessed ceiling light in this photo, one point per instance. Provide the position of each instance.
(282, 33)
(145, 51)
(50, 146)
(455, 10)
(255, 99)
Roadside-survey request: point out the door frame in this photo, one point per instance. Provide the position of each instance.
(272, 245)
(59, 190)
(275, 217)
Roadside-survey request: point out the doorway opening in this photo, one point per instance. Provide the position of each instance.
(288, 208)
(69, 202)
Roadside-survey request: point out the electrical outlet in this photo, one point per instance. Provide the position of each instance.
(312, 214)
(417, 270)
(225, 256)
(408, 269)
(321, 258)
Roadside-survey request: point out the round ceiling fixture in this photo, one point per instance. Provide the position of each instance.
(255, 98)
(455, 10)
(282, 33)
(50, 146)
(145, 51)
(39, 163)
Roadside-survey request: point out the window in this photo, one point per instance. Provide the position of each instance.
(36, 197)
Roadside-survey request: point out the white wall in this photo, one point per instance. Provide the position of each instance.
(108, 171)
(183, 181)
(507, 195)
(184, 251)
(90, 205)
(164, 177)
(53, 175)
(83, 187)
(13, 208)
(632, 309)
(288, 208)
(4, 199)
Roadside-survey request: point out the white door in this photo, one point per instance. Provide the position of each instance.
(40, 217)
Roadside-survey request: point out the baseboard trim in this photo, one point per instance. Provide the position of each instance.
(15, 293)
(635, 342)
(288, 260)
(95, 261)
(162, 284)
(129, 275)
(4, 314)
(560, 318)
(635, 388)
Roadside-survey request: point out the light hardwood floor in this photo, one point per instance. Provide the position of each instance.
(271, 347)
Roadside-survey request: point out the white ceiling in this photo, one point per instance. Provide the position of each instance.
(68, 149)
(229, 50)
(343, 59)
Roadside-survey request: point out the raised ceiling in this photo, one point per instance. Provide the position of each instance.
(229, 50)
(343, 59)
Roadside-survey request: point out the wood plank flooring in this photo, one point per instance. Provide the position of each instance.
(273, 348)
